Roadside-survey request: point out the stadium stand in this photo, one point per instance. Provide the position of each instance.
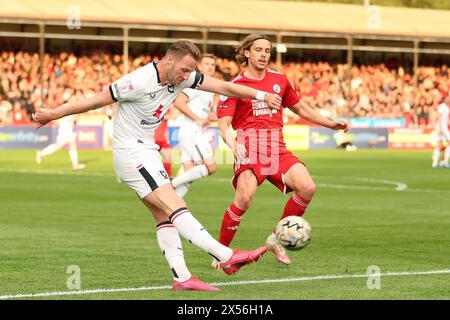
(333, 56)
(375, 91)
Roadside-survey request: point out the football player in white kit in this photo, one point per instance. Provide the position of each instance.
(442, 135)
(196, 152)
(66, 137)
(143, 97)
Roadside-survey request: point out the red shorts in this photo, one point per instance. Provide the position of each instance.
(163, 144)
(274, 172)
(162, 137)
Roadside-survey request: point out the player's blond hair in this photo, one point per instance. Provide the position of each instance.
(182, 48)
(209, 56)
(246, 45)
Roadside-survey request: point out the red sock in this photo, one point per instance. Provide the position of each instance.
(168, 167)
(230, 223)
(295, 206)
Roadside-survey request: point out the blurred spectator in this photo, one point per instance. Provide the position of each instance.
(366, 91)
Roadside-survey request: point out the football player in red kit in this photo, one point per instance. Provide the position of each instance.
(165, 149)
(259, 148)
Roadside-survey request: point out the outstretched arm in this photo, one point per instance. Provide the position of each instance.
(235, 90)
(181, 103)
(308, 113)
(44, 115)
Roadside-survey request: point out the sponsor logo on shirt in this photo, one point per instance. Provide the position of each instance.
(163, 174)
(117, 91)
(150, 123)
(261, 108)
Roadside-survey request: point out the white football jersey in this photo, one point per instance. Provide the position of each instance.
(442, 123)
(142, 105)
(200, 103)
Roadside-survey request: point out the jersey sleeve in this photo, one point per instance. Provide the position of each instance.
(130, 87)
(226, 106)
(189, 92)
(290, 98)
(195, 79)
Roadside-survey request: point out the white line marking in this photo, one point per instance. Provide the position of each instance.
(223, 284)
(399, 186)
(348, 186)
(59, 173)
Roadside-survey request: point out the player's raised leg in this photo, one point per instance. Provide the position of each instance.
(171, 247)
(48, 150)
(298, 179)
(73, 153)
(198, 162)
(165, 198)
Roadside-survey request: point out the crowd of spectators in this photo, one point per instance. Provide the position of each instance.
(364, 91)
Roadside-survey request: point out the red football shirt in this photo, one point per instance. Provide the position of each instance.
(251, 115)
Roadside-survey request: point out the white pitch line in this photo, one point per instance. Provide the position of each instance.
(224, 284)
(399, 186)
(347, 186)
(58, 173)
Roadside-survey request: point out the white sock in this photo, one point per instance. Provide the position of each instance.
(190, 229)
(49, 150)
(192, 174)
(73, 157)
(436, 155)
(446, 155)
(181, 190)
(170, 244)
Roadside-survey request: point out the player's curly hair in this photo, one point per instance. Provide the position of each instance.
(245, 45)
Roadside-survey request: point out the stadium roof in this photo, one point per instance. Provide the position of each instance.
(240, 14)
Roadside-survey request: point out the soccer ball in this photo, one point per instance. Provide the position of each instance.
(293, 232)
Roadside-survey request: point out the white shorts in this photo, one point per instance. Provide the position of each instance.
(439, 137)
(141, 169)
(65, 138)
(195, 149)
(444, 136)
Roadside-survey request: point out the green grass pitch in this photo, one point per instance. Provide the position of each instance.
(372, 208)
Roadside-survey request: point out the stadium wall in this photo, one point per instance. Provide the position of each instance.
(297, 137)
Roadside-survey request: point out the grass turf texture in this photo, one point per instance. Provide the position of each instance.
(52, 218)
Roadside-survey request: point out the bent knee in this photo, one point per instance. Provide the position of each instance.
(244, 201)
(307, 190)
(212, 168)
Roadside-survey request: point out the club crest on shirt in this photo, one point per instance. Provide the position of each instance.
(171, 88)
(276, 88)
(126, 86)
(223, 98)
